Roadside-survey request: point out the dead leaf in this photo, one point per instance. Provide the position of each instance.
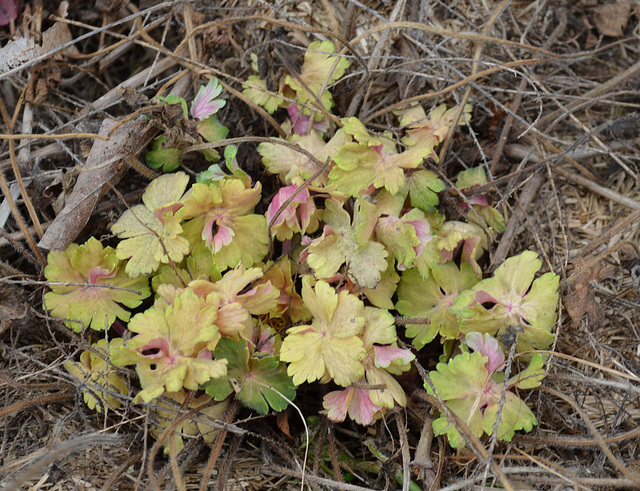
(611, 19)
(14, 308)
(104, 166)
(282, 420)
(582, 300)
(44, 77)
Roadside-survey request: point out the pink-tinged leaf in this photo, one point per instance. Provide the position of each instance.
(173, 345)
(337, 402)
(223, 212)
(385, 355)
(488, 347)
(354, 401)
(379, 330)
(473, 392)
(8, 11)
(454, 236)
(300, 216)
(264, 340)
(329, 348)
(362, 409)
(223, 237)
(234, 308)
(405, 237)
(98, 304)
(301, 122)
(512, 298)
(481, 211)
(204, 104)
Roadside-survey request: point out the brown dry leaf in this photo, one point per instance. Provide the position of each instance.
(44, 77)
(14, 309)
(611, 19)
(104, 166)
(582, 300)
(282, 420)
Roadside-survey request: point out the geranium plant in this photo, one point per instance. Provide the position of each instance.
(355, 215)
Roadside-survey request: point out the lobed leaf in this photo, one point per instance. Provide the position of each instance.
(223, 212)
(338, 245)
(513, 298)
(173, 345)
(432, 298)
(329, 348)
(151, 231)
(107, 287)
(260, 382)
(99, 383)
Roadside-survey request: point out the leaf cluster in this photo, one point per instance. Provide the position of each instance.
(363, 237)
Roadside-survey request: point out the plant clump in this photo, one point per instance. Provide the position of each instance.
(363, 239)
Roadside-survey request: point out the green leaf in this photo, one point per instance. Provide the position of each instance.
(337, 245)
(405, 237)
(471, 178)
(256, 90)
(167, 158)
(472, 389)
(530, 377)
(151, 231)
(371, 161)
(432, 298)
(174, 99)
(293, 166)
(97, 304)
(423, 188)
(515, 416)
(481, 211)
(260, 382)
(329, 348)
(212, 130)
(513, 298)
(461, 383)
(173, 345)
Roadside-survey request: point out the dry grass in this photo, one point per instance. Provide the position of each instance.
(557, 96)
